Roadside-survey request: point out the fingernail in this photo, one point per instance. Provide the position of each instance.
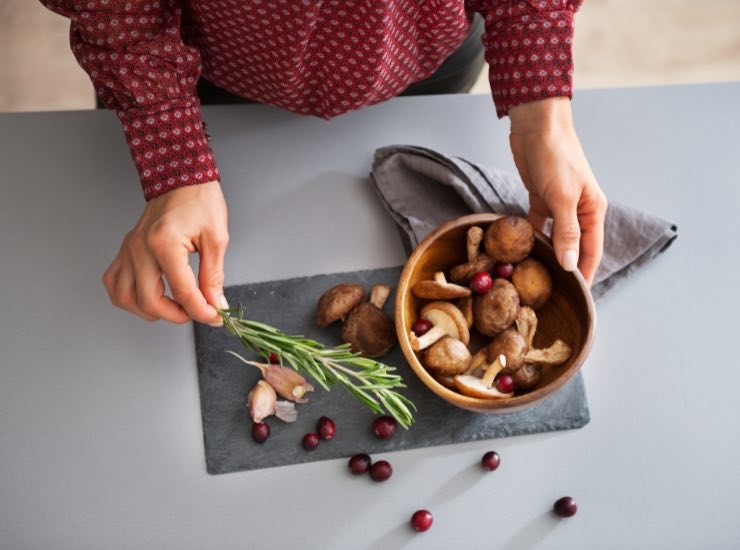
(570, 260)
(222, 301)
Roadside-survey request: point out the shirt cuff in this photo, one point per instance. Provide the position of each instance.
(530, 58)
(169, 147)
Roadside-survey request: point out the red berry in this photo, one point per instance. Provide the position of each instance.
(421, 327)
(481, 282)
(381, 470)
(326, 427)
(490, 461)
(565, 507)
(505, 383)
(503, 271)
(422, 520)
(274, 358)
(384, 427)
(310, 441)
(359, 464)
(260, 431)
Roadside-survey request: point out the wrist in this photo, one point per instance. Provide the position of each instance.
(542, 116)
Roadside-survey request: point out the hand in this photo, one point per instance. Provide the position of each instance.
(184, 220)
(560, 182)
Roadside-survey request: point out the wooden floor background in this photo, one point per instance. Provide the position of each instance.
(618, 43)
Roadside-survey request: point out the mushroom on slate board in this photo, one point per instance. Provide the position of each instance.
(367, 329)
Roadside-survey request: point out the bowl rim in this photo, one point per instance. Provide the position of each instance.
(459, 399)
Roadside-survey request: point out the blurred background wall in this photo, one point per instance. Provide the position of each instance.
(618, 43)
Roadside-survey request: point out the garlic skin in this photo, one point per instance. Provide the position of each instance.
(287, 383)
(261, 401)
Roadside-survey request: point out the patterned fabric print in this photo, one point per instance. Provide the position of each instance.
(318, 57)
(322, 58)
(528, 49)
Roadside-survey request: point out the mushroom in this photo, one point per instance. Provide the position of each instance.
(497, 309)
(447, 381)
(447, 357)
(476, 261)
(337, 302)
(439, 289)
(446, 320)
(509, 239)
(483, 388)
(532, 282)
(512, 345)
(465, 305)
(557, 354)
(367, 329)
(526, 323)
(478, 361)
(527, 377)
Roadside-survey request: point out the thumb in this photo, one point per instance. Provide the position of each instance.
(211, 271)
(566, 233)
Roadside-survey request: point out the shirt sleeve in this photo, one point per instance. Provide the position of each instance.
(528, 45)
(134, 54)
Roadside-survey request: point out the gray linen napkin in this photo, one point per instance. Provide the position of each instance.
(422, 188)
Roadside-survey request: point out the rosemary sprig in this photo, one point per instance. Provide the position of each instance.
(370, 381)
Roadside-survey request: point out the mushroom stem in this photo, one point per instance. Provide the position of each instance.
(440, 278)
(556, 354)
(477, 361)
(427, 339)
(526, 324)
(475, 236)
(379, 294)
(493, 369)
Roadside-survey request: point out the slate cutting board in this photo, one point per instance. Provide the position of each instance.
(290, 305)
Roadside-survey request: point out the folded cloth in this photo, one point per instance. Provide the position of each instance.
(422, 188)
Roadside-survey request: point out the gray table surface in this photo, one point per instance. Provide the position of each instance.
(100, 431)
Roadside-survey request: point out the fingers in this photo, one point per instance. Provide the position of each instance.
(174, 264)
(125, 292)
(211, 271)
(593, 211)
(566, 230)
(150, 293)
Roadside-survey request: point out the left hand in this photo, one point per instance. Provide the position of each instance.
(560, 182)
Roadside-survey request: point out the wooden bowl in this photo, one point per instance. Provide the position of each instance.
(569, 313)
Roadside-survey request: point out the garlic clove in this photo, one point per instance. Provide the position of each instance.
(286, 411)
(261, 401)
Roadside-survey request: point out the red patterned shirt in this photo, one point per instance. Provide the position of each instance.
(313, 57)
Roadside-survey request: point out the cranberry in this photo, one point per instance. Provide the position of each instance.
(326, 427)
(565, 507)
(505, 383)
(359, 464)
(422, 520)
(260, 431)
(274, 358)
(384, 427)
(381, 470)
(481, 282)
(490, 461)
(421, 326)
(310, 441)
(503, 271)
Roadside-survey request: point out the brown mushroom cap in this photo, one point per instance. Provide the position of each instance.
(439, 289)
(448, 356)
(512, 345)
(527, 377)
(369, 331)
(509, 239)
(447, 381)
(532, 282)
(464, 272)
(337, 302)
(496, 310)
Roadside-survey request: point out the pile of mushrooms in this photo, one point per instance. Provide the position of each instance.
(366, 328)
(502, 311)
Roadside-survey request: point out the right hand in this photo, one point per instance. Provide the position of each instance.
(184, 220)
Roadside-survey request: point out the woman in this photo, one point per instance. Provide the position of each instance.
(318, 57)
